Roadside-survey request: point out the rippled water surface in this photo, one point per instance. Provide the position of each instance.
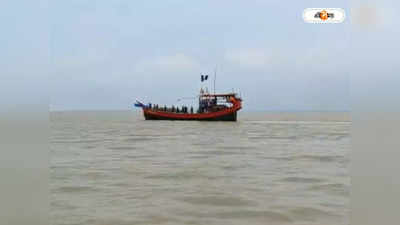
(114, 168)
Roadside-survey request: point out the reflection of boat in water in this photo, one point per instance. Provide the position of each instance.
(212, 107)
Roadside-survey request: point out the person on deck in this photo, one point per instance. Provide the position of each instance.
(191, 109)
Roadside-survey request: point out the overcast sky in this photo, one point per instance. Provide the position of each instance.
(105, 54)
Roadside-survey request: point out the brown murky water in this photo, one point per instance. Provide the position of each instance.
(267, 168)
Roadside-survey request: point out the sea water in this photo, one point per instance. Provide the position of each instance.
(267, 168)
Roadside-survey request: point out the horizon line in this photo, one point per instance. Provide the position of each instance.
(256, 110)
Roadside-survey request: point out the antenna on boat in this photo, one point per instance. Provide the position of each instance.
(215, 76)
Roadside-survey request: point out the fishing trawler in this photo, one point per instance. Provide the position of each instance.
(212, 107)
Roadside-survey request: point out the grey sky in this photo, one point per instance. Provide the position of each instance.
(105, 54)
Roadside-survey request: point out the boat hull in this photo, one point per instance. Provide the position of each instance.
(232, 116)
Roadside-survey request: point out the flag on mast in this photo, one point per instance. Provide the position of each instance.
(204, 77)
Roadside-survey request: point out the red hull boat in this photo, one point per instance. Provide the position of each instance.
(212, 107)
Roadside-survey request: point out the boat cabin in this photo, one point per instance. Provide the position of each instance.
(215, 102)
